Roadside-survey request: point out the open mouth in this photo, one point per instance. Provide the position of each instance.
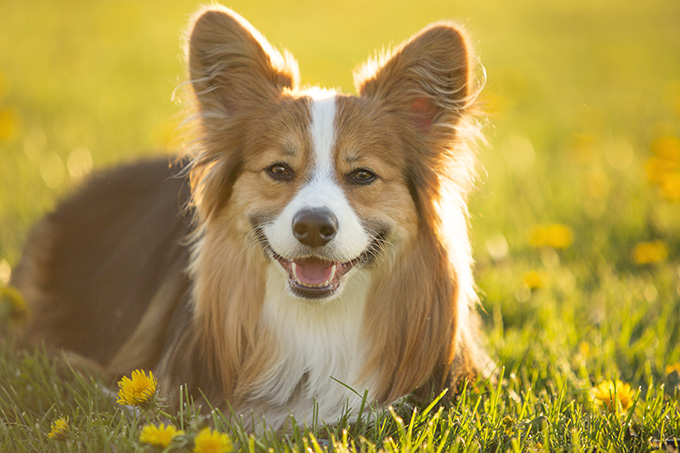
(313, 277)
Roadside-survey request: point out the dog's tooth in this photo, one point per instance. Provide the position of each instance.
(330, 279)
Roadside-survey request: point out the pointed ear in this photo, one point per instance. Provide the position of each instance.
(232, 66)
(426, 79)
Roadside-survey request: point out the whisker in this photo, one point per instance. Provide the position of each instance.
(255, 236)
(379, 245)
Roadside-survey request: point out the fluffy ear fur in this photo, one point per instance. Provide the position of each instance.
(232, 66)
(427, 79)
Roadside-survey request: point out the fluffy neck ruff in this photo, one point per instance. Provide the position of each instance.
(390, 332)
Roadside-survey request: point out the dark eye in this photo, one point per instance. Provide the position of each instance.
(280, 172)
(362, 176)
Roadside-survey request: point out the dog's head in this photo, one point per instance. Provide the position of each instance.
(328, 184)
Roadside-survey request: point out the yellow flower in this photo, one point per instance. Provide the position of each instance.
(160, 436)
(655, 169)
(650, 252)
(613, 396)
(209, 441)
(667, 147)
(137, 390)
(8, 124)
(675, 368)
(670, 187)
(59, 429)
(555, 235)
(663, 168)
(535, 279)
(12, 305)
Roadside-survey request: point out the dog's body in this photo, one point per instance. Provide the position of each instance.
(319, 242)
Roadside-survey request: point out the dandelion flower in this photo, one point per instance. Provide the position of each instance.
(8, 124)
(555, 235)
(138, 389)
(675, 368)
(12, 305)
(209, 441)
(59, 429)
(613, 395)
(160, 436)
(650, 252)
(667, 147)
(656, 170)
(670, 187)
(534, 279)
(663, 168)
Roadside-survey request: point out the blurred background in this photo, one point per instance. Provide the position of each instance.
(577, 210)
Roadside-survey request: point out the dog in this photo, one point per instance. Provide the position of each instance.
(310, 249)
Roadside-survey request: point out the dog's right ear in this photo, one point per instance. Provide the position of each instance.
(232, 66)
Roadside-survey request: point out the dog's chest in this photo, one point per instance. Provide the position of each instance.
(319, 352)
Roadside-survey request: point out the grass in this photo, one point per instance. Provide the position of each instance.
(584, 102)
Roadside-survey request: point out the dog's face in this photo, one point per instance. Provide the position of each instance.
(324, 197)
(328, 184)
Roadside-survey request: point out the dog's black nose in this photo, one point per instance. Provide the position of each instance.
(315, 227)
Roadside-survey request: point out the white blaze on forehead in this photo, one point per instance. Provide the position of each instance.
(323, 132)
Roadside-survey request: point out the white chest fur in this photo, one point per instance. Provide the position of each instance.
(320, 352)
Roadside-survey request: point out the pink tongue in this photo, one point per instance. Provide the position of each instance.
(312, 272)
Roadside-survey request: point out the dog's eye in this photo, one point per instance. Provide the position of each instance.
(361, 176)
(280, 172)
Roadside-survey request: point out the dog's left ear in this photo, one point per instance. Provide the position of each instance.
(426, 79)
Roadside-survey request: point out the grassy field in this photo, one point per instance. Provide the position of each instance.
(575, 224)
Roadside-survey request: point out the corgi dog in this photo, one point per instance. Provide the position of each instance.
(310, 248)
